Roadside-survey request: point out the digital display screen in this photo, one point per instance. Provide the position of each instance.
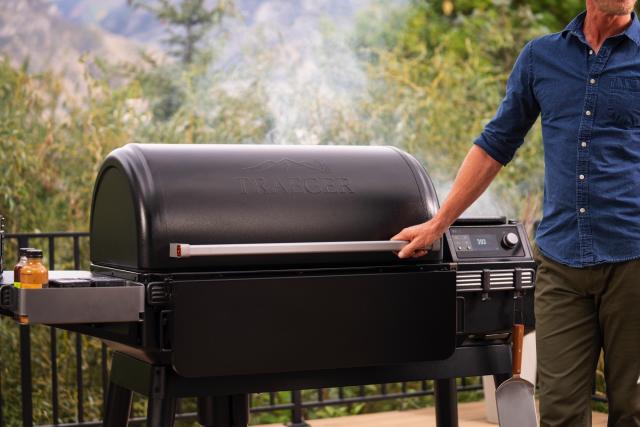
(476, 242)
(484, 242)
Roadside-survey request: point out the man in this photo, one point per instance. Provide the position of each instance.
(585, 83)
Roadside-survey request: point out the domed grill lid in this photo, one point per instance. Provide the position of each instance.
(150, 196)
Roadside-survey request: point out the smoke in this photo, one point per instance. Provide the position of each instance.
(487, 205)
(314, 76)
(300, 57)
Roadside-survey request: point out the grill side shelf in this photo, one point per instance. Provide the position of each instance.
(74, 305)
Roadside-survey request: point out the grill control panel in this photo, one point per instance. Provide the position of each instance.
(486, 241)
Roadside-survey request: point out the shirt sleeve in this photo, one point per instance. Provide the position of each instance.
(517, 112)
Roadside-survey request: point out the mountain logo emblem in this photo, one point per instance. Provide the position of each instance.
(288, 164)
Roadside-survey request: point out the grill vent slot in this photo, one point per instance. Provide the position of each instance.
(158, 294)
(498, 279)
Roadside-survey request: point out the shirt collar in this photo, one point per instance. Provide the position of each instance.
(575, 28)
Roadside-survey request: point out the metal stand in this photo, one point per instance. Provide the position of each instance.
(223, 402)
(446, 402)
(223, 411)
(118, 406)
(162, 386)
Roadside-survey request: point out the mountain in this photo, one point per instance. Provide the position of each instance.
(36, 31)
(115, 17)
(55, 34)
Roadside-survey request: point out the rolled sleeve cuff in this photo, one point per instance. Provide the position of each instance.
(497, 155)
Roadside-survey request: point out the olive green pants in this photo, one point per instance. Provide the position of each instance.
(580, 311)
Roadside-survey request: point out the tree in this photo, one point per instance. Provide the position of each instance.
(189, 22)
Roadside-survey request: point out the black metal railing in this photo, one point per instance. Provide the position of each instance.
(75, 256)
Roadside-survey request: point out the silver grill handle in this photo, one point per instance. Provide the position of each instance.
(185, 250)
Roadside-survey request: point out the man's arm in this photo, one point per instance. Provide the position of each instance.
(495, 147)
(476, 173)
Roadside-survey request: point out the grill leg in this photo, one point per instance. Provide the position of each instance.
(446, 403)
(118, 406)
(161, 411)
(224, 411)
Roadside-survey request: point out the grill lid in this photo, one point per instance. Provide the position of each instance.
(149, 196)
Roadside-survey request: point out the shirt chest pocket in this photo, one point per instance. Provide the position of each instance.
(623, 101)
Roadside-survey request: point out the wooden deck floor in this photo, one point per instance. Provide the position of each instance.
(470, 415)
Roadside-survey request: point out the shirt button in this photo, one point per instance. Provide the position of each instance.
(592, 81)
(582, 210)
(581, 177)
(590, 52)
(583, 144)
(588, 112)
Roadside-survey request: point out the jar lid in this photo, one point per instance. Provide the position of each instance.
(23, 251)
(34, 253)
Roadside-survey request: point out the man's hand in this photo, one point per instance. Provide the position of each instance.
(420, 237)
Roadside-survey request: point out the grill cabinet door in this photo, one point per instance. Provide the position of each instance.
(251, 326)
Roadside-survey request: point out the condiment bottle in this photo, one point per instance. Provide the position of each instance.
(34, 275)
(22, 260)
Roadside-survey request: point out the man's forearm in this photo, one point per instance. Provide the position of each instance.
(474, 176)
(476, 173)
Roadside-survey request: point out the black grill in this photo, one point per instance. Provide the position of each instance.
(216, 248)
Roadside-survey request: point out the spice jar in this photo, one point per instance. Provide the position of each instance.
(34, 275)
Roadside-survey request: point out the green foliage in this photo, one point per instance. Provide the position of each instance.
(436, 82)
(24, 140)
(555, 14)
(164, 95)
(51, 148)
(189, 21)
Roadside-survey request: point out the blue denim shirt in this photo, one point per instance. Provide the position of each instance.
(590, 107)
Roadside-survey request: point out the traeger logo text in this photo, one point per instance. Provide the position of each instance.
(315, 180)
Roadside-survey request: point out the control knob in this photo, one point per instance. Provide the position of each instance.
(510, 240)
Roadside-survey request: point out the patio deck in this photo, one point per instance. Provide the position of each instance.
(470, 415)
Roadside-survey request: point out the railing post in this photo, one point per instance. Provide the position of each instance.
(25, 375)
(79, 382)
(23, 242)
(76, 252)
(296, 412)
(55, 404)
(105, 376)
(1, 399)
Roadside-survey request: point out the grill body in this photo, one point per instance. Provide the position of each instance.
(240, 323)
(365, 305)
